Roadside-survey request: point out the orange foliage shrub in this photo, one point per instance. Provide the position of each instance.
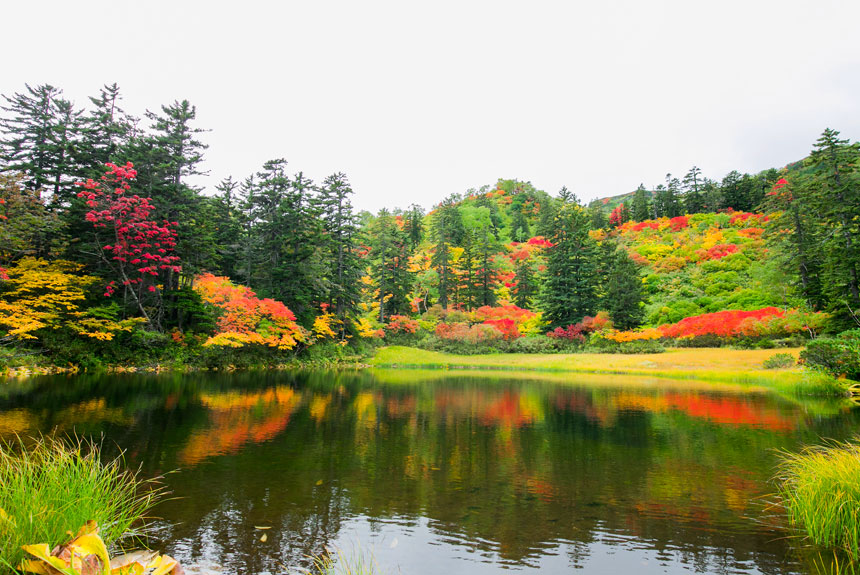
(401, 324)
(729, 323)
(245, 319)
(464, 333)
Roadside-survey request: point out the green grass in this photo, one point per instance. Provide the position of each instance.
(703, 364)
(820, 490)
(50, 486)
(340, 563)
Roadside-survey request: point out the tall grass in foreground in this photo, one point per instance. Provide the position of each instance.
(820, 489)
(51, 486)
(340, 563)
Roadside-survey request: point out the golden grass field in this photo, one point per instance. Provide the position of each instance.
(704, 364)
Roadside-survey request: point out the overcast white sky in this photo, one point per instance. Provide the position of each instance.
(415, 101)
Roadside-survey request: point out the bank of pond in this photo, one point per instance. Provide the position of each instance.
(433, 470)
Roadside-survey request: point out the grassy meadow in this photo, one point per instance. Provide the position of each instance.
(704, 364)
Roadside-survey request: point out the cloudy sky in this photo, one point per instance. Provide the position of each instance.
(415, 101)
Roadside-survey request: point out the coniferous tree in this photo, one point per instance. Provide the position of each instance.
(414, 225)
(672, 197)
(624, 297)
(712, 195)
(520, 230)
(569, 290)
(340, 226)
(447, 230)
(106, 129)
(598, 217)
(693, 201)
(733, 192)
(526, 288)
(390, 265)
(641, 208)
(791, 240)
(834, 196)
(227, 220)
(39, 132)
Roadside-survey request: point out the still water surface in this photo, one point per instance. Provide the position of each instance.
(439, 473)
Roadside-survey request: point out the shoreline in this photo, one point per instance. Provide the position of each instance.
(716, 365)
(702, 364)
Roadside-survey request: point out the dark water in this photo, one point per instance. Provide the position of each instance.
(439, 473)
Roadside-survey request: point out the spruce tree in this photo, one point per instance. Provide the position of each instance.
(38, 134)
(340, 225)
(834, 195)
(641, 208)
(693, 201)
(569, 290)
(624, 297)
(390, 265)
(447, 230)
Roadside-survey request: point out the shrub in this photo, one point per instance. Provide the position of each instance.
(839, 356)
(53, 486)
(463, 333)
(401, 324)
(779, 361)
(534, 344)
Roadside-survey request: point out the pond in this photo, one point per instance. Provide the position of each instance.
(449, 472)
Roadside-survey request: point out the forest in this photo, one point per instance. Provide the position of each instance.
(111, 254)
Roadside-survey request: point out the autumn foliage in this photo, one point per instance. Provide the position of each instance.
(244, 319)
(41, 295)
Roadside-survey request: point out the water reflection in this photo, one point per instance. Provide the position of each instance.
(438, 473)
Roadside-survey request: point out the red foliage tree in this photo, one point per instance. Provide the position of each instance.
(139, 251)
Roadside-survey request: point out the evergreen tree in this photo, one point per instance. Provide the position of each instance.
(712, 196)
(447, 230)
(340, 226)
(791, 241)
(105, 130)
(39, 134)
(520, 231)
(624, 296)
(641, 208)
(287, 238)
(414, 226)
(526, 288)
(834, 196)
(598, 217)
(227, 219)
(672, 197)
(733, 192)
(390, 265)
(569, 289)
(693, 201)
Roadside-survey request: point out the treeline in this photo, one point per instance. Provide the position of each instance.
(96, 188)
(290, 238)
(693, 194)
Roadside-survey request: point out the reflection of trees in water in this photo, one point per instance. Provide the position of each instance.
(519, 465)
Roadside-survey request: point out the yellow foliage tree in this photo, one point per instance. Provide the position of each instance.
(48, 295)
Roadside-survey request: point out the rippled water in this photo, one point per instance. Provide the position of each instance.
(431, 472)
